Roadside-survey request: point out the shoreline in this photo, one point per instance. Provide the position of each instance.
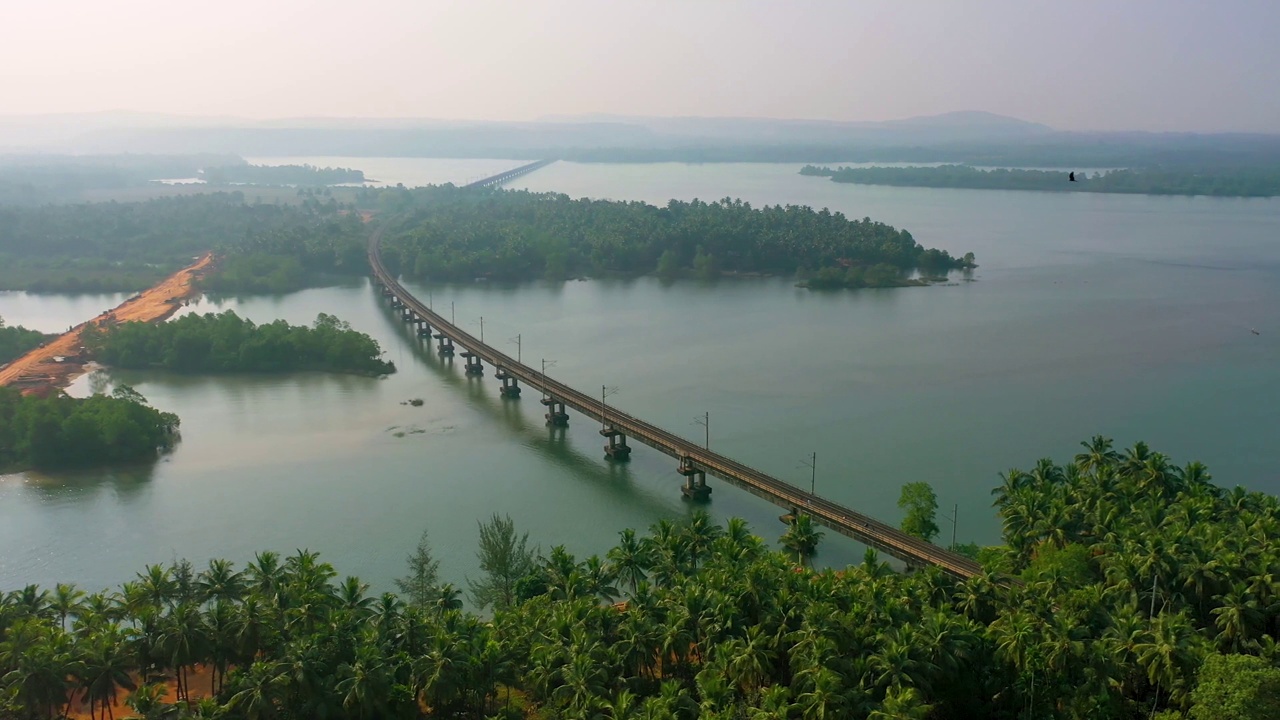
(40, 370)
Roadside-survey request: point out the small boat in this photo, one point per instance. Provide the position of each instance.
(1255, 332)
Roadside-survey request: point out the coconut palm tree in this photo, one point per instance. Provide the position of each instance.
(65, 601)
(258, 693)
(629, 559)
(105, 670)
(802, 538)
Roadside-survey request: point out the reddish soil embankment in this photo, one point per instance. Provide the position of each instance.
(40, 371)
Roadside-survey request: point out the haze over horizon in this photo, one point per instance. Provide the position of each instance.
(1158, 66)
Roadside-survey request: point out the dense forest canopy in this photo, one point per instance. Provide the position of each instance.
(299, 175)
(62, 432)
(1142, 589)
(100, 247)
(1233, 182)
(228, 343)
(462, 234)
(16, 341)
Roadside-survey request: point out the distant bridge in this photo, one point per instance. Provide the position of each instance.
(695, 461)
(502, 177)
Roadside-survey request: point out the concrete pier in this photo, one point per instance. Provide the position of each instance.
(510, 384)
(695, 480)
(475, 367)
(445, 344)
(617, 449)
(555, 412)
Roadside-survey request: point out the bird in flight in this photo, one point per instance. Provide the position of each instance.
(1071, 176)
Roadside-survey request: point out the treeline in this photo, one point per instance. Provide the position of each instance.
(1128, 588)
(44, 179)
(57, 432)
(16, 341)
(228, 343)
(99, 247)
(459, 234)
(1228, 182)
(301, 175)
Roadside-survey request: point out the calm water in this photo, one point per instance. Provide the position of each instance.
(1127, 316)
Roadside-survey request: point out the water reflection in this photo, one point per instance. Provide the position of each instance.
(127, 483)
(551, 443)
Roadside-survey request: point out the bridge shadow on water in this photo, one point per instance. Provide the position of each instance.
(550, 443)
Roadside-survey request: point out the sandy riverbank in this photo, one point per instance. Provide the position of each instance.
(40, 371)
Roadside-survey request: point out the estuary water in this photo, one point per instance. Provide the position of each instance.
(1129, 316)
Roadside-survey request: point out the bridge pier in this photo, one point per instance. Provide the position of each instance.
(445, 344)
(617, 449)
(424, 330)
(695, 480)
(475, 367)
(555, 412)
(510, 385)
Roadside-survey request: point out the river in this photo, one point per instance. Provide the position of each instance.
(1129, 316)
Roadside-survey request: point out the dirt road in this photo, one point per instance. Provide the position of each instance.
(39, 371)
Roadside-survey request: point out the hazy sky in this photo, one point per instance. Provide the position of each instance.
(1072, 64)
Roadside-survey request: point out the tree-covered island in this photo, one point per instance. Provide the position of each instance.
(1126, 588)
(228, 343)
(292, 175)
(457, 234)
(1229, 182)
(60, 432)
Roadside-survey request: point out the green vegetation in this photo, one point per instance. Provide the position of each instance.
(16, 341)
(228, 343)
(1138, 589)
(1232, 182)
(43, 179)
(102, 247)
(60, 432)
(456, 234)
(300, 175)
(920, 504)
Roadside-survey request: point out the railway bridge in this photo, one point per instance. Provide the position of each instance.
(494, 180)
(694, 462)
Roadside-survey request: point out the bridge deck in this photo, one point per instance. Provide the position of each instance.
(509, 174)
(845, 521)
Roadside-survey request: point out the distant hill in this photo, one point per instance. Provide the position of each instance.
(972, 137)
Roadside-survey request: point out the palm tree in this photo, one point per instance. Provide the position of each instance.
(901, 704)
(629, 559)
(364, 684)
(66, 601)
(446, 598)
(185, 642)
(148, 702)
(156, 586)
(258, 693)
(220, 582)
(699, 533)
(1236, 618)
(802, 538)
(351, 597)
(599, 579)
(105, 671)
(40, 662)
